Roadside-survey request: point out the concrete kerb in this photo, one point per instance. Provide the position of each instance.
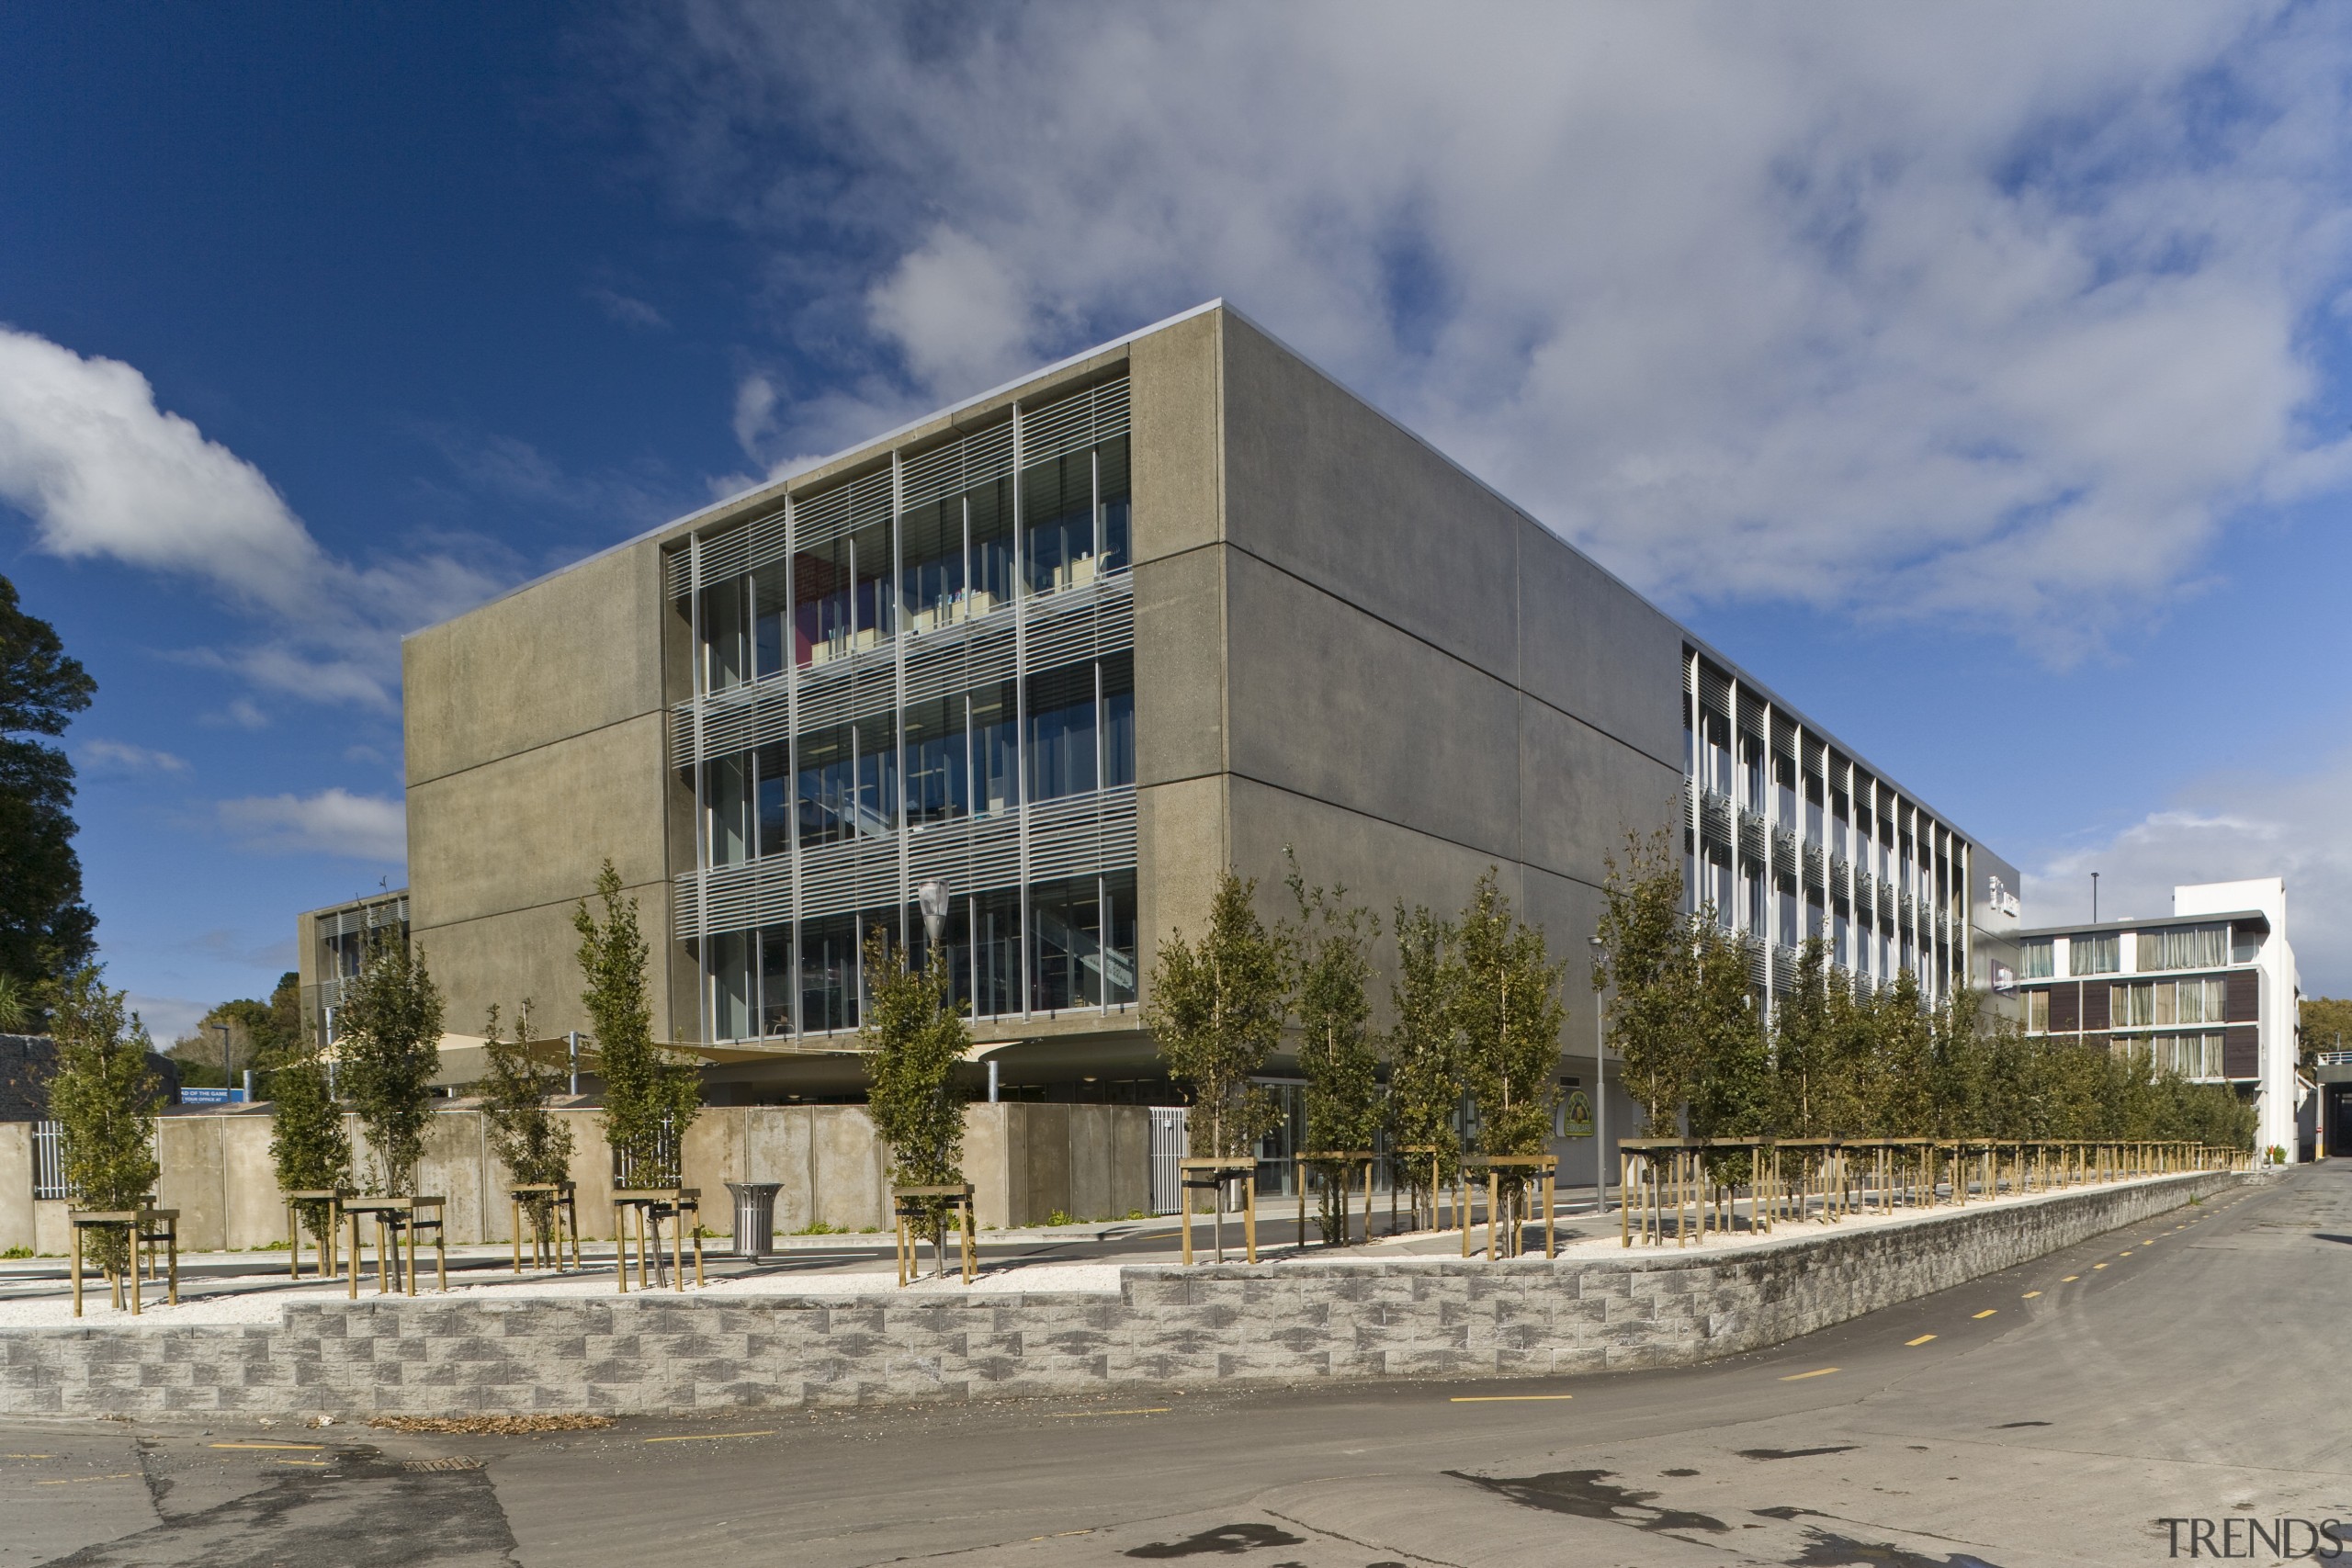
(1234, 1324)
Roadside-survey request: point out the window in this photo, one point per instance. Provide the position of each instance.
(2190, 947)
(2095, 954)
(2037, 1012)
(1058, 518)
(931, 588)
(848, 782)
(731, 983)
(1751, 773)
(727, 786)
(1118, 720)
(996, 952)
(938, 773)
(1841, 935)
(1789, 933)
(726, 654)
(1751, 902)
(2035, 957)
(1784, 790)
(1111, 487)
(2246, 944)
(775, 980)
(1812, 809)
(1064, 709)
(828, 974)
(771, 615)
(996, 780)
(1065, 945)
(821, 580)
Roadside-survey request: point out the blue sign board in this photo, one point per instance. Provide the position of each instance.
(212, 1097)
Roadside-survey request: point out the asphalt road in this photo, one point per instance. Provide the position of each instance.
(2189, 1369)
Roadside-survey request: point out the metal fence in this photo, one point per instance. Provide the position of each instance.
(1170, 1136)
(49, 1161)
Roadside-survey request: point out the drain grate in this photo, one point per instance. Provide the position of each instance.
(455, 1462)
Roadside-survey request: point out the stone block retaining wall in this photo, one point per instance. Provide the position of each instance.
(1291, 1322)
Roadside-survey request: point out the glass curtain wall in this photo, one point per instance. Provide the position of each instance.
(1043, 736)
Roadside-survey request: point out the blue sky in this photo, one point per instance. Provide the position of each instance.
(1976, 377)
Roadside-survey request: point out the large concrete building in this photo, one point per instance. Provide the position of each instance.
(1058, 655)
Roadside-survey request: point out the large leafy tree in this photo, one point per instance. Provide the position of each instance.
(1216, 1010)
(45, 927)
(915, 1039)
(104, 1097)
(651, 1094)
(388, 1036)
(1332, 958)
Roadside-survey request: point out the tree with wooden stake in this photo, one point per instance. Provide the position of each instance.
(1508, 1013)
(1331, 959)
(532, 1143)
(1215, 1013)
(915, 1039)
(1647, 967)
(307, 1140)
(104, 1098)
(652, 1095)
(389, 1037)
(1424, 1060)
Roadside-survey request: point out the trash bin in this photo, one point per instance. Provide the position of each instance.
(754, 1216)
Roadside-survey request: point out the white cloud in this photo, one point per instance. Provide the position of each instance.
(2225, 828)
(122, 756)
(334, 821)
(625, 309)
(102, 471)
(1991, 314)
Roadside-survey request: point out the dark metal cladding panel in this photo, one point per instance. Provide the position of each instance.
(2244, 999)
(2096, 995)
(2241, 1049)
(2065, 1007)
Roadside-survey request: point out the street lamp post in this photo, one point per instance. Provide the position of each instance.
(1600, 1088)
(227, 1078)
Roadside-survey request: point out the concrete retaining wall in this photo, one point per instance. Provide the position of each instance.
(1267, 1324)
(1026, 1161)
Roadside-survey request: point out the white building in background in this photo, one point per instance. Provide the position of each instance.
(2211, 992)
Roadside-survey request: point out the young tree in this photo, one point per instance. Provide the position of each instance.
(1731, 1089)
(532, 1143)
(652, 1095)
(1424, 1065)
(1508, 1015)
(308, 1142)
(104, 1098)
(1216, 1012)
(1648, 966)
(914, 1039)
(388, 1036)
(1331, 969)
(1802, 1033)
(45, 930)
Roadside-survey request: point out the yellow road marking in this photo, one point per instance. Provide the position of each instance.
(314, 1464)
(1921, 1340)
(2122, 1254)
(1988, 1312)
(1503, 1398)
(1145, 1410)
(32, 1456)
(2070, 1278)
(78, 1480)
(2098, 1265)
(2029, 1295)
(710, 1437)
(1800, 1377)
(302, 1447)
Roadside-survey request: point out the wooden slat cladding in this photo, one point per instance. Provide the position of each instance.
(2241, 1047)
(2065, 1007)
(2244, 999)
(2096, 1012)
